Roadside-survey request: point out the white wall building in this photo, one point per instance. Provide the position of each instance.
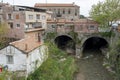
(25, 54)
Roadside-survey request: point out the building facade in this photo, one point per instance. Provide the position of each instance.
(24, 55)
(67, 11)
(86, 26)
(65, 26)
(21, 18)
(60, 25)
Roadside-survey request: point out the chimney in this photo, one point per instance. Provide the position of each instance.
(26, 46)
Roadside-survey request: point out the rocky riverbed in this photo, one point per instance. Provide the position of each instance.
(90, 67)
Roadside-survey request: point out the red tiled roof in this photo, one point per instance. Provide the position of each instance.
(54, 5)
(29, 43)
(26, 45)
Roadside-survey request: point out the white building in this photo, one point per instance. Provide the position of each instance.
(25, 54)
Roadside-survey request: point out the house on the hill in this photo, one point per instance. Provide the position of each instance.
(69, 11)
(26, 54)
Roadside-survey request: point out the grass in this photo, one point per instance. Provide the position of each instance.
(58, 66)
(7, 75)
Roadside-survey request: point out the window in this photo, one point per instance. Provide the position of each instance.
(54, 11)
(0, 9)
(69, 11)
(43, 17)
(91, 27)
(17, 16)
(53, 26)
(18, 25)
(76, 12)
(11, 25)
(9, 16)
(38, 16)
(9, 59)
(63, 11)
(30, 17)
(58, 11)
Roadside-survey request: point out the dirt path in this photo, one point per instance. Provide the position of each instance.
(90, 68)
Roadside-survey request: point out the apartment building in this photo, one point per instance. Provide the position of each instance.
(26, 18)
(19, 19)
(68, 11)
(5, 12)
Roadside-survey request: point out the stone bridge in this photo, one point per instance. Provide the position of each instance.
(78, 43)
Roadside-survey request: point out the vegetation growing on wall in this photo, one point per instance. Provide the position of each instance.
(75, 37)
(58, 66)
(107, 34)
(50, 36)
(114, 58)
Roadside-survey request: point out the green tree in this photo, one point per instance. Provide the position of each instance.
(82, 17)
(3, 33)
(106, 12)
(3, 30)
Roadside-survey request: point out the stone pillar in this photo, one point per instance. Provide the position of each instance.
(78, 51)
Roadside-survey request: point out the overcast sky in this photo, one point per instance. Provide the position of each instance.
(85, 5)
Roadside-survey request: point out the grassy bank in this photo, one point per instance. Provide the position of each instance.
(58, 66)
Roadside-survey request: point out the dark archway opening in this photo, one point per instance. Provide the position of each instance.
(65, 43)
(94, 45)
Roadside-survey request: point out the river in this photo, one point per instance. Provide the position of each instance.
(90, 67)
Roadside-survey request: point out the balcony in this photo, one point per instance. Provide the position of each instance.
(37, 25)
(33, 26)
(58, 15)
(33, 29)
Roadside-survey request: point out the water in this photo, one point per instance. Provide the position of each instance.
(91, 68)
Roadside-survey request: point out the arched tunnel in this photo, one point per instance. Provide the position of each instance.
(95, 45)
(65, 43)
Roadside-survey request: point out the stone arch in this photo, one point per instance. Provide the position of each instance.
(66, 43)
(95, 43)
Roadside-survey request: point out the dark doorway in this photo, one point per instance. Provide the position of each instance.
(65, 43)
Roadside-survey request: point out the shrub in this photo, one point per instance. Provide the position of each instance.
(58, 66)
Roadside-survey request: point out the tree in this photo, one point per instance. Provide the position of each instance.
(106, 12)
(82, 17)
(3, 33)
(3, 30)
